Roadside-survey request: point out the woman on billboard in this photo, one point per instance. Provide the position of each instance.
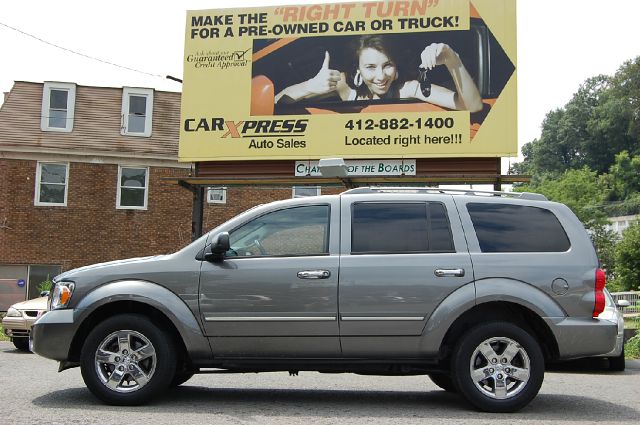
(374, 74)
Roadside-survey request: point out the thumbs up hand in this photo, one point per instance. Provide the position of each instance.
(325, 80)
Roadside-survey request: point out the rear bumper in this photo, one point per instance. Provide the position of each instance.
(617, 350)
(583, 337)
(52, 334)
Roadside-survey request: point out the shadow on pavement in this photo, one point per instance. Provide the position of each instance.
(245, 404)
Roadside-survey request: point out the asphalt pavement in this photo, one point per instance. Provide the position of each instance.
(33, 392)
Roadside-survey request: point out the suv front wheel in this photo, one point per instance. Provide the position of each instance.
(498, 367)
(127, 360)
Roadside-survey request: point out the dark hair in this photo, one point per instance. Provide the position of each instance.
(382, 44)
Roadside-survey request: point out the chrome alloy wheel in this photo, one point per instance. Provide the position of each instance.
(500, 368)
(125, 361)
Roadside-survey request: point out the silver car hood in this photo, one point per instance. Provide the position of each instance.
(93, 267)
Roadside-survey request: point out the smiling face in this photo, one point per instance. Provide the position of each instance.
(377, 70)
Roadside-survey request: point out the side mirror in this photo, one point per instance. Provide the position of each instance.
(623, 303)
(220, 245)
(44, 293)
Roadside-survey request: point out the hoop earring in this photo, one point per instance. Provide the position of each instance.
(357, 79)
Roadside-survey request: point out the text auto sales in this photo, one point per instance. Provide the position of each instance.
(259, 131)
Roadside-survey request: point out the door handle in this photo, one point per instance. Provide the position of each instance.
(314, 274)
(449, 272)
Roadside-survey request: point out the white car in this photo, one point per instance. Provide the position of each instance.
(611, 313)
(19, 319)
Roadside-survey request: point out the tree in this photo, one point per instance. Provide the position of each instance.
(601, 120)
(580, 190)
(605, 241)
(627, 258)
(624, 177)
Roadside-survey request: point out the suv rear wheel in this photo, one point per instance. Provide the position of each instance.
(498, 367)
(127, 360)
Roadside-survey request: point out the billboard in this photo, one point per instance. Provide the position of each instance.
(392, 79)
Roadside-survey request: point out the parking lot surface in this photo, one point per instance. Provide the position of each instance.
(32, 391)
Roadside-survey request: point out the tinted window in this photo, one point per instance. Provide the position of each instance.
(517, 228)
(440, 235)
(288, 232)
(399, 228)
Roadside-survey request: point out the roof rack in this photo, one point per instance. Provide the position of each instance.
(436, 190)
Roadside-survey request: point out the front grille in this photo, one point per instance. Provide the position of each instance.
(31, 313)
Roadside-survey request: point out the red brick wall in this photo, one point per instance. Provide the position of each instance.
(89, 229)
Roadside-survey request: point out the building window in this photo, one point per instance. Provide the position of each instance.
(39, 278)
(304, 191)
(137, 107)
(58, 107)
(133, 183)
(217, 195)
(51, 183)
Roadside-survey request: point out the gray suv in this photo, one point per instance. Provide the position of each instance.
(476, 290)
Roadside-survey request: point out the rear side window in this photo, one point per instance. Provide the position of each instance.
(517, 228)
(396, 228)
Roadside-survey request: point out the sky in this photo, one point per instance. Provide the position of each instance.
(561, 43)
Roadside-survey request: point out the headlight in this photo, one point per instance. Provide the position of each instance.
(62, 294)
(12, 312)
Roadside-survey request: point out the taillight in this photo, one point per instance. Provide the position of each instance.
(601, 281)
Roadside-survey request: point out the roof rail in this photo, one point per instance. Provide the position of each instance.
(437, 190)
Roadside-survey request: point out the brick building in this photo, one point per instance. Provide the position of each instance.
(83, 179)
(80, 169)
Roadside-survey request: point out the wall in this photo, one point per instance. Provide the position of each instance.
(89, 229)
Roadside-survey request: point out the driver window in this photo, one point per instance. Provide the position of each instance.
(290, 232)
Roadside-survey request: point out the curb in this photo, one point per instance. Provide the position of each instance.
(632, 364)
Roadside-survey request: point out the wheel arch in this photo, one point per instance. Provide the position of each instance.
(501, 311)
(162, 306)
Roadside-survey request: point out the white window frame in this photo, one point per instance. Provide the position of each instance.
(36, 199)
(295, 188)
(70, 88)
(127, 92)
(210, 200)
(119, 187)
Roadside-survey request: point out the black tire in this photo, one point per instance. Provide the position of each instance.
(180, 378)
(443, 381)
(21, 343)
(508, 377)
(617, 364)
(139, 364)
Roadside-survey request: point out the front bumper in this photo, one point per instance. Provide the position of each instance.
(583, 337)
(15, 327)
(52, 334)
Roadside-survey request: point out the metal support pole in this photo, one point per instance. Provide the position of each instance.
(197, 213)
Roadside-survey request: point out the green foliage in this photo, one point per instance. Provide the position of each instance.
(580, 190)
(605, 240)
(632, 348)
(3, 337)
(627, 259)
(45, 285)
(624, 176)
(600, 121)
